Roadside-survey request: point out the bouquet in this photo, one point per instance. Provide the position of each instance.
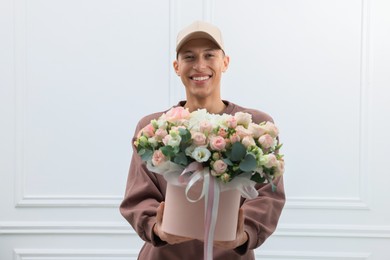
(230, 146)
(227, 152)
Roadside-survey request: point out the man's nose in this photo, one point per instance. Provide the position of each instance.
(200, 64)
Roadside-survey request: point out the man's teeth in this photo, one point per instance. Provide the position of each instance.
(200, 78)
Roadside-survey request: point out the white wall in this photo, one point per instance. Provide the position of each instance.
(75, 77)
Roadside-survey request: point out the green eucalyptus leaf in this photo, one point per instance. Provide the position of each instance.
(141, 151)
(168, 151)
(238, 152)
(248, 164)
(185, 135)
(227, 161)
(181, 159)
(146, 155)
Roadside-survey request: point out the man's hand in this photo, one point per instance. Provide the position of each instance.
(241, 237)
(170, 239)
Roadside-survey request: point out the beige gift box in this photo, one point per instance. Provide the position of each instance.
(184, 218)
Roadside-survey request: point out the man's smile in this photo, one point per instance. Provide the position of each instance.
(200, 77)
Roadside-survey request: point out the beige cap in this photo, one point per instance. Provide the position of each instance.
(198, 30)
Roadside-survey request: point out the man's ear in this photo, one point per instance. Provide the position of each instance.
(176, 67)
(226, 61)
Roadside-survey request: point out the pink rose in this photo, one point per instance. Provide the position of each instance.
(205, 127)
(217, 143)
(160, 134)
(266, 141)
(231, 122)
(198, 138)
(177, 114)
(148, 130)
(222, 132)
(219, 167)
(158, 158)
(235, 138)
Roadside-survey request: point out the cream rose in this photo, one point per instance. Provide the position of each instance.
(248, 141)
(242, 131)
(256, 130)
(270, 160)
(279, 170)
(173, 141)
(243, 118)
(266, 141)
(271, 129)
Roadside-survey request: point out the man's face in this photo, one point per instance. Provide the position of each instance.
(200, 64)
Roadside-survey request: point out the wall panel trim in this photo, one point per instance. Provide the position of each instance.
(363, 200)
(299, 255)
(21, 197)
(118, 228)
(30, 254)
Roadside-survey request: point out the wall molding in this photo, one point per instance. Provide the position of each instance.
(28, 200)
(335, 231)
(121, 228)
(74, 254)
(362, 201)
(337, 203)
(208, 10)
(68, 201)
(21, 198)
(174, 21)
(299, 255)
(74, 228)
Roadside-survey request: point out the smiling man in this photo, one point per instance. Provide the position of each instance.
(200, 63)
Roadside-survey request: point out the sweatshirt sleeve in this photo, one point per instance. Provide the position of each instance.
(142, 197)
(262, 214)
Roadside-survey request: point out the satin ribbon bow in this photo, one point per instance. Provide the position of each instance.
(211, 191)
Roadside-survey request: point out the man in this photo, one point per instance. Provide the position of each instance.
(200, 63)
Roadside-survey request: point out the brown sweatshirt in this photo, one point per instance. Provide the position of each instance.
(145, 191)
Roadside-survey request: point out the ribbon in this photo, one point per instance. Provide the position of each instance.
(210, 191)
(179, 175)
(191, 175)
(211, 214)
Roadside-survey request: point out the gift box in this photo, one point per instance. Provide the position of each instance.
(185, 218)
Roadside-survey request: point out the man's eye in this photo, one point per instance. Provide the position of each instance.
(188, 57)
(209, 55)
